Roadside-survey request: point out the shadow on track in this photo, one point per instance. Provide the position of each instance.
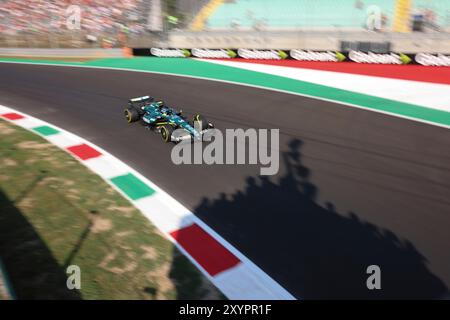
(31, 267)
(322, 252)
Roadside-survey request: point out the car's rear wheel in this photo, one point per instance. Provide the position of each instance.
(166, 133)
(200, 122)
(132, 115)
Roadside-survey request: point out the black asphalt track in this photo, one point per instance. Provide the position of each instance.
(355, 188)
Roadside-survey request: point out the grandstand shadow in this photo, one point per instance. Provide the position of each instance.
(31, 267)
(314, 251)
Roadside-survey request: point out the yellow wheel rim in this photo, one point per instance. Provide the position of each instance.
(165, 134)
(128, 115)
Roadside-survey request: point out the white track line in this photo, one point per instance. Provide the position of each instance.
(429, 95)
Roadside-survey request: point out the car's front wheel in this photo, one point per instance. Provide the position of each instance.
(132, 115)
(166, 133)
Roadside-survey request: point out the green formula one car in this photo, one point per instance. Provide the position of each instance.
(157, 116)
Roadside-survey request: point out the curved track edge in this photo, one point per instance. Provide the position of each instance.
(236, 276)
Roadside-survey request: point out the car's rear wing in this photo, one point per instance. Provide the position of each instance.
(140, 101)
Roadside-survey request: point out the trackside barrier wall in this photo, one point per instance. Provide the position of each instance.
(426, 59)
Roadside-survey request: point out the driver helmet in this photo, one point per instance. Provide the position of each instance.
(159, 103)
